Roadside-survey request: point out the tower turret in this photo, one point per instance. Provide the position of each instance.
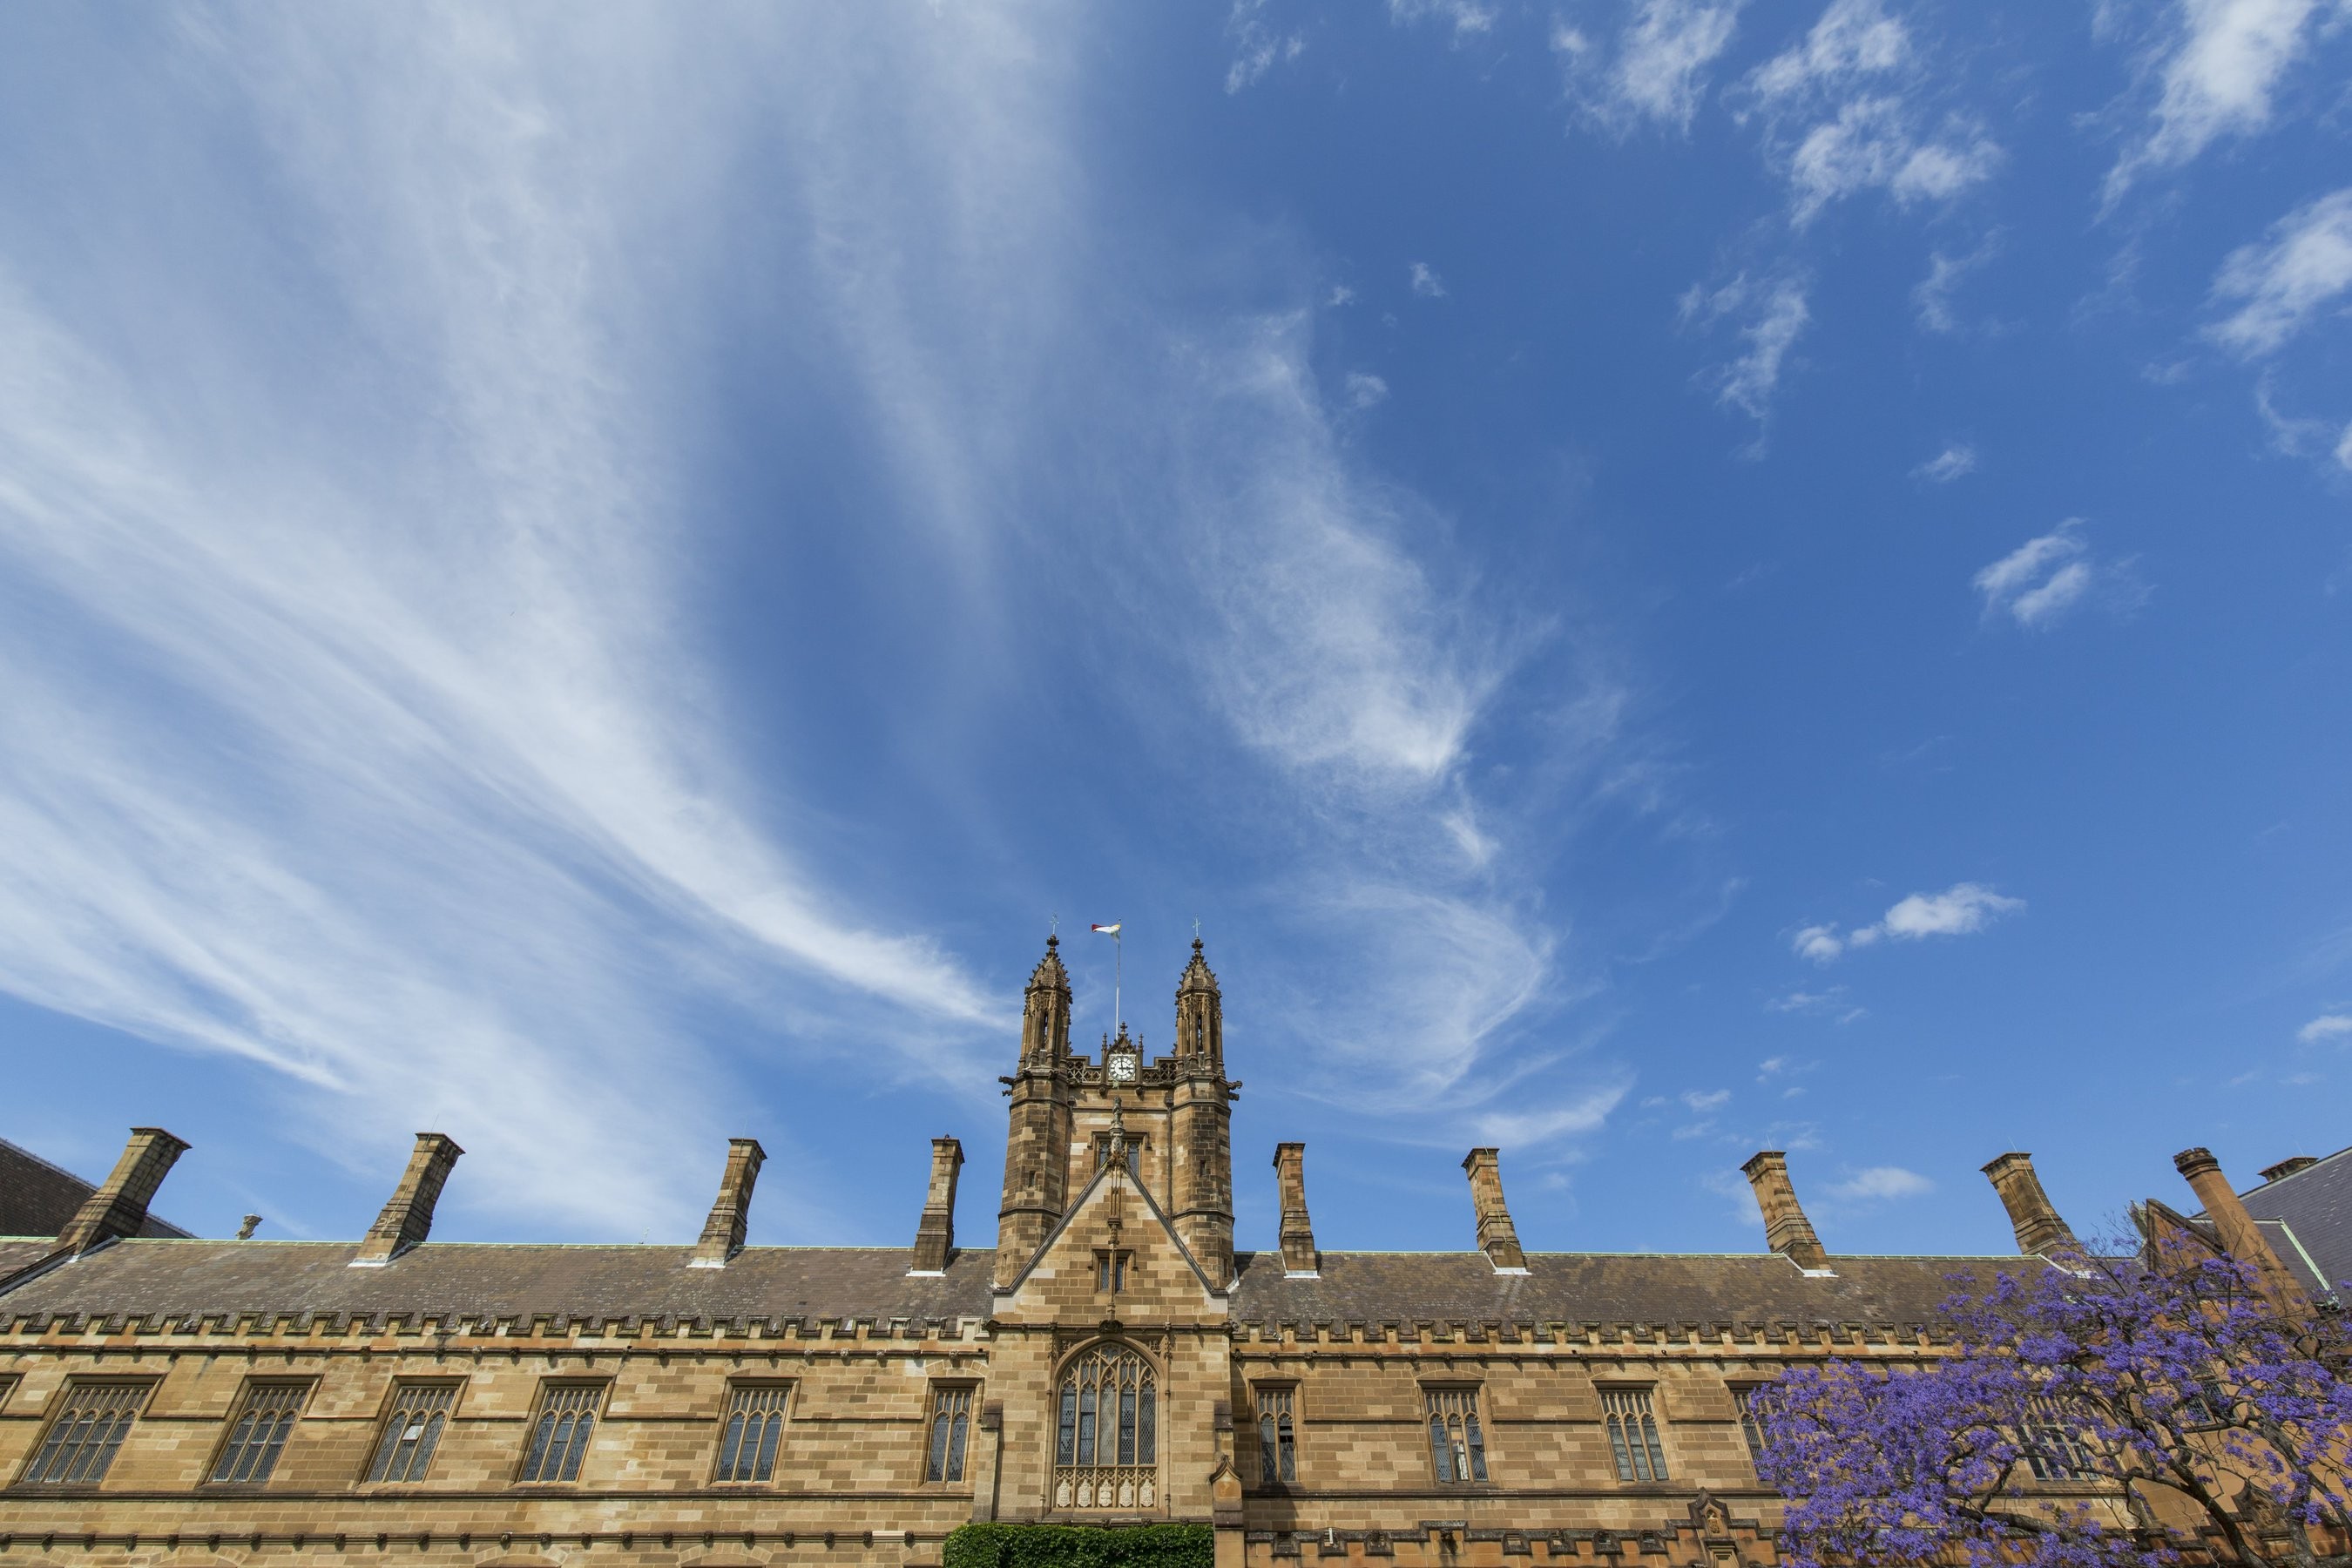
(1036, 1161)
(1199, 1012)
(1201, 1122)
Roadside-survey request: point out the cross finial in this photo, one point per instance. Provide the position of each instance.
(1196, 927)
(1053, 925)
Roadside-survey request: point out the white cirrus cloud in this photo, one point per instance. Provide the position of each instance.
(2222, 65)
(1657, 68)
(1875, 1183)
(1852, 39)
(1960, 910)
(1776, 315)
(1872, 145)
(2043, 578)
(1704, 1101)
(1955, 461)
(2326, 1026)
(1850, 109)
(1364, 389)
(1257, 48)
(2276, 286)
(1465, 17)
(1426, 281)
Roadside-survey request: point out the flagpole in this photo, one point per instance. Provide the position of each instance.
(1118, 976)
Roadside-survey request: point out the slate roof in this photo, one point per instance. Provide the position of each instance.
(176, 1281)
(2308, 1218)
(37, 1198)
(1656, 1288)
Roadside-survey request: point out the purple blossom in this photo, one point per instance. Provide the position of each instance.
(2118, 1407)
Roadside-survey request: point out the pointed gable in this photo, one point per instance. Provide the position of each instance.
(1115, 1218)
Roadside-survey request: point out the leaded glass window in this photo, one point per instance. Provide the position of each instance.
(1457, 1446)
(1278, 1437)
(93, 1419)
(2051, 1451)
(1751, 1424)
(1107, 1439)
(1633, 1435)
(419, 1411)
(261, 1429)
(559, 1438)
(950, 1425)
(754, 1430)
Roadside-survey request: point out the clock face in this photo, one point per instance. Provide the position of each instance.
(1119, 1068)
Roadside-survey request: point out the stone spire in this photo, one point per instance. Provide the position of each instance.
(1200, 1011)
(1201, 1122)
(1037, 1136)
(1045, 1017)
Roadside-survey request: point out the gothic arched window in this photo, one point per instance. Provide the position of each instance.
(1107, 1441)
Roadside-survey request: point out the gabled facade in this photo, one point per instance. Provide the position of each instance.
(1113, 1360)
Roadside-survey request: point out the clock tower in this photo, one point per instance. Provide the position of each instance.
(1171, 1114)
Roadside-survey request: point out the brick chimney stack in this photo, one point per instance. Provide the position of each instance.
(407, 1219)
(2241, 1237)
(1786, 1229)
(2039, 1228)
(730, 1211)
(119, 1207)
(935, 1233)
(1498, 1237)
(2288, 1167)
(1298, 1253)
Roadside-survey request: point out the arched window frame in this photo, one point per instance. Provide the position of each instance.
(1106, 1450)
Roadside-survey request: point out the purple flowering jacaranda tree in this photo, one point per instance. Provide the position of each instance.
(2132, 1406)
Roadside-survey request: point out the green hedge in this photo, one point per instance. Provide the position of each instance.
(1079, 1546)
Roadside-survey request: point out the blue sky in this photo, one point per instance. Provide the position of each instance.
(1663, 577)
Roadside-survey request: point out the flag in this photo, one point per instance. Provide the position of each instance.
(1111, 930)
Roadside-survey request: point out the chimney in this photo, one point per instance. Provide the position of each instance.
(407, 1219)
(2241, 1237)
(1786, 1229)
(935, 1233)
(730, 1211)
(251, 1223)
(1298, 1253)
(119, 1208)
(1496, 1237)
(2288, 1167)
(2039, 1228)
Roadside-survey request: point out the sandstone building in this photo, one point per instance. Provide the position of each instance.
(1114, 1359)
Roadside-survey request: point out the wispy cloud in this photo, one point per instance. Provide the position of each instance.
(415, 779)
(1849, 109)
(1878, 1184)
(1656, 68)
(1959, 911)
(1872, 144)
(2040, 579)
(1426, 281)
(1931, 300)
(2043, 579)
(1704, 1101)
(2219, 69)
(1365, 389)
(2326, 1026)
(2275, 287)
(1955, 461)
(1465, 17)
(1833, 1002)
(1776, 315)
(1257, 47)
